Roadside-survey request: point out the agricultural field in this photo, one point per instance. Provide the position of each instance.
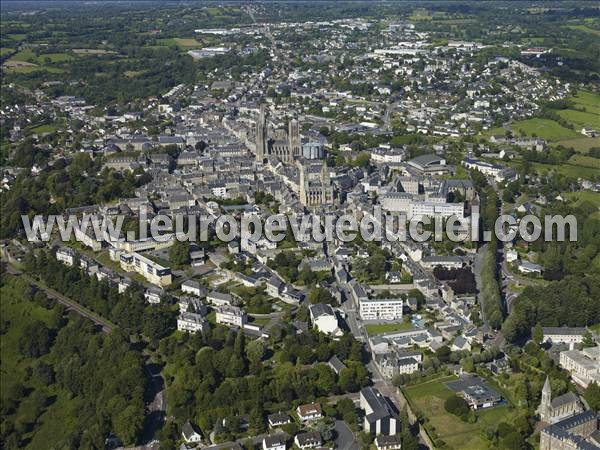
(429, 397)
(181, 42)
(587, 196)
(42, 58)
(584, 161)
(545, 129)
(566, 169)
(584, 113)
(27, 61)
(585, 29)
(581, 144)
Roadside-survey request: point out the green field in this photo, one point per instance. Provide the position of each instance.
(584, 161)
(29, 56)
(380, 328)
(568, 170)
(545, 129)
(181, 42)
(45, 128)
(429, 399)
(585, 113)
(585, 29)
(580, 118)
(588, 100)
(581, 144)
(587, 196)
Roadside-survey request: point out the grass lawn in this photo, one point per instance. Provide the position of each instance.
(380, 328)
(592, 197)
(588, 100)
(580, 118)
(260, 321)
(545, 129)
(181, 42)
(5, 51)
(585, 29)
(429, 398)
(45, 128)
(29, 56)
(584, 161)
(581, 144)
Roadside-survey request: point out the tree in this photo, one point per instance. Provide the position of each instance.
(35, 340)
(538, 334)
(468, 365)
(129, 422)
(588, 340)
(320, 295)
(592, 396)
(179, 254)
(347, 411)
(457, 406)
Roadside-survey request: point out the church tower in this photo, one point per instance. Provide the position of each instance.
(261, 133)
(545, 409)
(303, 183)
(294, 140)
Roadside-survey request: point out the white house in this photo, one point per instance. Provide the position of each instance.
(190, 433)
(194, 288)
(324, 319)
(310, 411)
(275, 442)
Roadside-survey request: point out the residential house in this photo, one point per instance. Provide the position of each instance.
(309, 412)
(308, 439)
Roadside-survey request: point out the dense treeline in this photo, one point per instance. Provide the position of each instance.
(577, 257)
(59, 187)
(462, 281)
(490, 295)
(69, 385)
(206, 372)
(129, 310)
(573, 301)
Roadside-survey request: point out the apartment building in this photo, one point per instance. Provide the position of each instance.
(380, 308)
(192, 323)
(231, 315)
(150, 270)
(584, 365)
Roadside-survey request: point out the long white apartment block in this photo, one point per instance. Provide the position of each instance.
(381, 308)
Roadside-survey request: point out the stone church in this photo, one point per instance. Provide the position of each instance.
(281, 144)
(315, 185)
(552, 410)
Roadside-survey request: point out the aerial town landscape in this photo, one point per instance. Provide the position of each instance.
(302, 224)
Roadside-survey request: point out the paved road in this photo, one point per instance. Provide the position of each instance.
(156, 407)
(344, 437)
(379, 381)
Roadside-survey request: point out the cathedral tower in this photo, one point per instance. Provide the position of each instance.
(294, 140)
(261, 134)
